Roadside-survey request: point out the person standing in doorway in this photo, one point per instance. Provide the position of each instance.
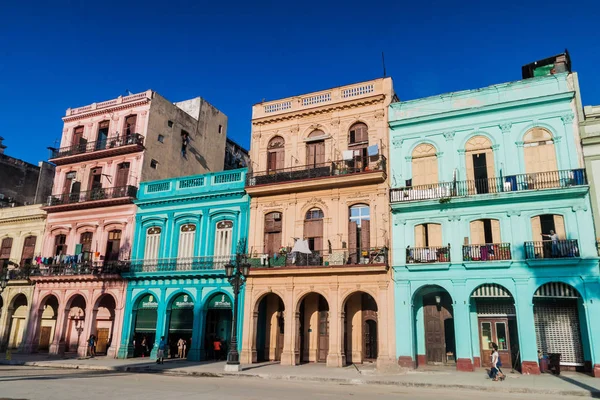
(181, 347)
(161, 351)
(144, 345)
(217, 348)
(92, 346)
(553, 236)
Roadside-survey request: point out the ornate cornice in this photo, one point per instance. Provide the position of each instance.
(505, 127)
(106, 110)
(449, 135)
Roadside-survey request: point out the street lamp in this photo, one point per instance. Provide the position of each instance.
(236, 275)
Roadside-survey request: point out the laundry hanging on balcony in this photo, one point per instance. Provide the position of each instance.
(348, 155)
(301, 246)
(373, 150)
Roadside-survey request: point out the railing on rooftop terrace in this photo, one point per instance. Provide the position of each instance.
(105, 144)
(110, 103)
(333, 168)
(219, 178)
(322, 258)
(180, 264)
(552, 249)
(511, 183)
(92, 195)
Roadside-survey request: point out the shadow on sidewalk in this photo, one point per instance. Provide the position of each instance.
(593, 391)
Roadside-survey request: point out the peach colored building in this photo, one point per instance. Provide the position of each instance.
(107, 149)
(319, 290)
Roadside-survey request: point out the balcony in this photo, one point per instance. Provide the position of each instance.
(323, 258)
(178, 266)
(549, 249)
(487, 252)
(357, 171)
(85, 151)
(99, 197)
(428, 255)
(512, 183)
(73, 269)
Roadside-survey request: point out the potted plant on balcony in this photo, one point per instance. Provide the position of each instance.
(442, 254)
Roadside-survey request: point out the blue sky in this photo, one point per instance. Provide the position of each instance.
(60, 54)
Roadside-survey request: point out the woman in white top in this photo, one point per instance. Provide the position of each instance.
(495, 372)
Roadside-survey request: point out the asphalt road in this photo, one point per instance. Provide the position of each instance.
(47, 384)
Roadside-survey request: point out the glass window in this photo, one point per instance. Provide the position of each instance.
(501, 336)
(486, 334)
(315, 213)
(359, 213)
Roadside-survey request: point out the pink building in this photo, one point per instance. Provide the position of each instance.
(106, 150)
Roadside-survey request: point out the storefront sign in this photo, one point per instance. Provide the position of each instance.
(148, 302)
(219, 301)
(183, 301)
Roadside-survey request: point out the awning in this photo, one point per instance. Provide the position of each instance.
(491, 290)
(557, 290)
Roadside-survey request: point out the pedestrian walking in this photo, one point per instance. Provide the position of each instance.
(161, 351)
(495, 372)
(181, 348)
(217, 348)
(92, 346)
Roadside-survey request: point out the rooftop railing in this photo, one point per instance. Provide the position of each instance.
(105, 144)
(180, 264)
(334, 168)
(511, 183)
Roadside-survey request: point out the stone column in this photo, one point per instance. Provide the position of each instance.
(161, 314)
(462, 328)
(117, 328)
(592, 319)
(520, 157)
(58, 342)
(248, 354)
(526, 327)
(288, 355)
(29, 342)
(90, 318)
(195, 352)
(383, 340)
(404, 320)
(126, 345)
(334, 356)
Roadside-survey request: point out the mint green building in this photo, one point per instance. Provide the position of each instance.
(492, 232)
(187, 230)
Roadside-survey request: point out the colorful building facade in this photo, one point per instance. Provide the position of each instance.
(492, 232)
(319, 290)
(187, 230)
(590, 139)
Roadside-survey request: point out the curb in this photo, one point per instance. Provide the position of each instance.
(300, 378)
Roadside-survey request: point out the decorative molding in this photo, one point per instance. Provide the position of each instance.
(513, 213)
(495, 147)
(314, 201)
(557, 139)
(567, 118)
(379, 114)
(398, 220)
(439, 154)
(453, 218)
(397, 142)
(294, 128)
(579, 207)
(256, 136)
(520, 144)
(449, 135)
(505, 127)
(272, 204)
(408, 158)
(335, 122)
(461, 152)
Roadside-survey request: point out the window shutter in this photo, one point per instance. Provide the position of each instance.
(536, 229)
(425, 171)
(434, 232)
(559, 227)
(365, 235)
(6, 248)
(352, 232)
(469, 167)
(420, 236)
(320, 153)
(496, 231)
(477, 232)
(489, 160)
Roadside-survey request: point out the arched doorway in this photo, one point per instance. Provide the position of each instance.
(360, 328)
(539, 153)
(144, 331)
(496, 323)
(218, 325)
(75, 324)
(181, 323)
(276, 154)
(270, 328)
(479, 163)
(17, 311)
(315, 149)
(559, 313)
(47, 323)
(434, 326)
(313, 338)
(104, 323)
(424, 165)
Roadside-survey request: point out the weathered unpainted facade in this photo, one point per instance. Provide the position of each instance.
(590, 139)
(319, 178)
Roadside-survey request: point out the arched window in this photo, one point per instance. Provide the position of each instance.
(539, 152)
(5, 249)
(315, 149)
(424, 165)
(359, 232)
(60, 244)
(187, 239)
(313, 228)
(85, 239)
(358, 142)
(223, 238)
(78, 143)
(276, 154)
(129, 126)
(273, 230)
(480, 164)
(428, 235)
(151, 250)
(113, 245)
(485, 231)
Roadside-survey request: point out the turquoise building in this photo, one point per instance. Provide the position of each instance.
(187, 230)
(492, 232)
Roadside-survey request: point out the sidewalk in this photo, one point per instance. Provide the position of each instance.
(567, 384)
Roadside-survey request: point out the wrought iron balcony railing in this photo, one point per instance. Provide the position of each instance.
(487, 252)
(180, 264)
(90, 147)
(78, 268)
(512, 183)
(334, 168)
(92, 195)
(426, 255)
(552, 249)
(322, 258)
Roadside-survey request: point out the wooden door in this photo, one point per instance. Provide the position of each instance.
(323, 336)
(494, 330)
(129, 127)
(315, 154)
(370, 339)
(122, 174)
(113, 245)
(78, 142)
(102, 341)
(434, 335)
(45, 337)
(95, 179)
(28, 250)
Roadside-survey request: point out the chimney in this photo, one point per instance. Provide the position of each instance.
(2, 147)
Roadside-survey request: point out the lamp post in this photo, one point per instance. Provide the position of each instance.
(236, 275)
